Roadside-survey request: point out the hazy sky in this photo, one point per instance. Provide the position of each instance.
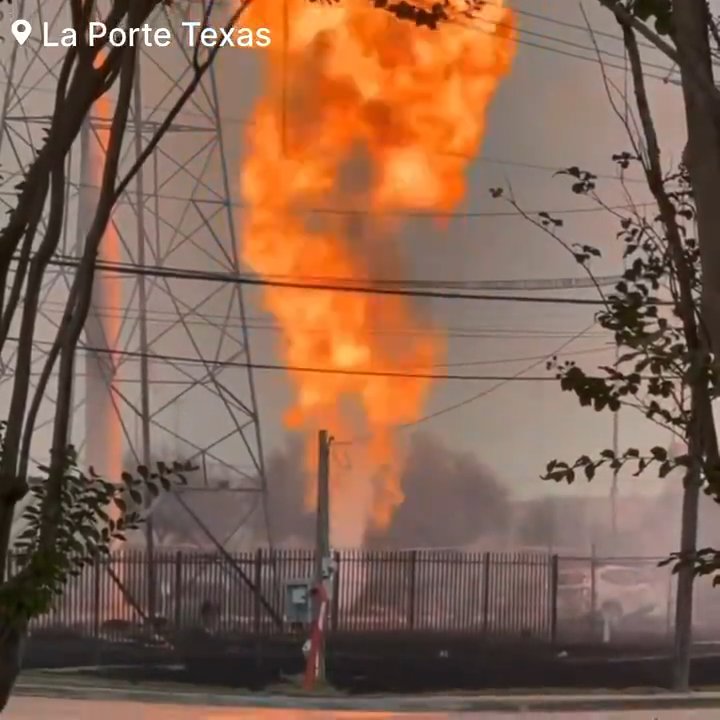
(551, 112)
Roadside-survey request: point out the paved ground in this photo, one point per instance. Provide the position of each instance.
(38, 709)
(75, 696)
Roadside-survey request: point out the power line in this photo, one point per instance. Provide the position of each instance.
(263, 324)
(565, 53)
(575, 26)
(572, 44)
(468, 363)
(535, 285)
(665, 78)
(563, 41)
(554, 169)
(237, 279)
(584, 29)
(501, 382)
(360, 212)
(538, 358)
(400, 375)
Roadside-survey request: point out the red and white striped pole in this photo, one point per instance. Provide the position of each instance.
(317, 637)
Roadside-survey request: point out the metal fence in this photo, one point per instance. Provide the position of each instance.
(514, 596)
(421, 591)
(627, 599)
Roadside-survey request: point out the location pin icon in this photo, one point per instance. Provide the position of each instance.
(21, 30)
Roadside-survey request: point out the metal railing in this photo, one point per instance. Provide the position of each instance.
(418, 591)
(526, 597)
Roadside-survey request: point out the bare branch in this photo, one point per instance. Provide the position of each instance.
(80, 297)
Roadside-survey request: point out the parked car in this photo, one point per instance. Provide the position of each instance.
(621, 591)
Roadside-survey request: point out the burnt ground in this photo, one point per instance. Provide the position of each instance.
(379, 662)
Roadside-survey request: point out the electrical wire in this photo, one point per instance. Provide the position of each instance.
(468, 363)
(563, 42)
(259, 323)
(561, 284)
(500, 382)
(360, 212)
(237, 279)
(580, 28)
(188, 360)
(553, 169)
(520, 40)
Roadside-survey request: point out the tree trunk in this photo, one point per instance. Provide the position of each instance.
(12, 643)
(685, 583)
(690, 20)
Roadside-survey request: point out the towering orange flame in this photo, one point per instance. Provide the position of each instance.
(369, 113)
(107, 299)
(103, 432)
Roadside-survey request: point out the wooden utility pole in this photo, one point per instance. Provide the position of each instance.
(322, 538)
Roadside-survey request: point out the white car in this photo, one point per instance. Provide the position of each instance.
(621, 591)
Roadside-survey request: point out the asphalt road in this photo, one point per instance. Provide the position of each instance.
(22, 708)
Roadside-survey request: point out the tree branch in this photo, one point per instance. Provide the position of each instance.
(693, 64)
(78, 303)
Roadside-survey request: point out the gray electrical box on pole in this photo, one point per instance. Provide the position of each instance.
(299, 602)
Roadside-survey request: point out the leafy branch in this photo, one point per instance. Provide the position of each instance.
(93, 514)
(559, 471)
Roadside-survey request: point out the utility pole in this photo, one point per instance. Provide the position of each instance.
(322, 538)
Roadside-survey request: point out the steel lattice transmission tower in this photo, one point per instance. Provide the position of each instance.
(165, 369)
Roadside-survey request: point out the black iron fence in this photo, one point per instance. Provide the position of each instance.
(523, 596)
(423, 591)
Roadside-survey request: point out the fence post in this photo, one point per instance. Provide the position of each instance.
(178, 588)
(257, 594)
(96, 597)
(335, 608)
(486, 592)
(412, 588)
(553, 598)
